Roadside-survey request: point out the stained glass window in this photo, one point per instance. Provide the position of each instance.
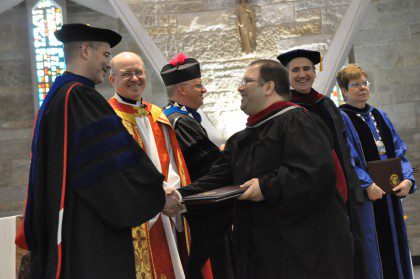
(47, 17)
(337, 96)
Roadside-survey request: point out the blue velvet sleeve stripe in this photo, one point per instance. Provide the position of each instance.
(108, 145)
(93, 130)
(102, 170)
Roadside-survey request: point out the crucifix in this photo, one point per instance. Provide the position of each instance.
(246, 25)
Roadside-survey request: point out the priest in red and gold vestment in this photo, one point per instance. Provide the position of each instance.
(161, 244)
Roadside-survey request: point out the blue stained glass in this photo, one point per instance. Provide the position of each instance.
(47, 17)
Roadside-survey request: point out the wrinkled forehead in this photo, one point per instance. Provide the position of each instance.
(129, 63)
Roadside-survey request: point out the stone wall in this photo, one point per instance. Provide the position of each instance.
(207, 30)
(387, 46)
(16, 109)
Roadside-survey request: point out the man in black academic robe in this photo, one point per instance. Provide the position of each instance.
(289, 222)
(301, 66)
(209, 225)
(89, 180)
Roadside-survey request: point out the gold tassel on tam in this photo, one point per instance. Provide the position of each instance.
(320, 62)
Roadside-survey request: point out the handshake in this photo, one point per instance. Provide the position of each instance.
(173, 205)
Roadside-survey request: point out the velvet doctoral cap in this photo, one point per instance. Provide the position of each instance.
(180, 69)
(74, 32)
(285, 58)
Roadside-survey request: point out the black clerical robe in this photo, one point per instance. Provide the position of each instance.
(325, 108)
(300, 229)
(109, 186)
(209, 225)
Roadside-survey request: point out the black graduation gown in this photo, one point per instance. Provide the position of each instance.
(111, 187)
(328, 112)
(209, 235)
(300, 229)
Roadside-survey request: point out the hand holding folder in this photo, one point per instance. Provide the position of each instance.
(387, 174)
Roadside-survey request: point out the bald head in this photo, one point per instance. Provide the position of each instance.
(128, 75)
(123, 57)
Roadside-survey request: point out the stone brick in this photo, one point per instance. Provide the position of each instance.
(300, 29)
(267, 2)
(220, 4)
(93, 19)
(20, 173)
(370, 19)
(337, 2)
(167, 20)
(308, 15)
(400, 17)
(275, 14)
(11, 208)
(394, 5)
(382, 34)
(12, 194)
(331, 17)
(160, 31)
(145, 13)
(401, 115)
(9, 105)
(205, 21)
(209, 46)
(5, 31)
(415, 31)
(321, 41)
(311, 4)
(181, 7)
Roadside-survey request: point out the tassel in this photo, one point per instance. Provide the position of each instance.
(178, 59)
(320, 62)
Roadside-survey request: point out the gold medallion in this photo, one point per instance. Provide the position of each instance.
(394, 180)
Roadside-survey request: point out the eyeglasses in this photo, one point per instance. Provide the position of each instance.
(244, 81)
(359, 84)
(106, 54)
(128, 74)
(197, 86)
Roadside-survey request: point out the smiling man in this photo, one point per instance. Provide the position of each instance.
(301, 66)
(209, 236)
(160, 243)
(90, 183)
(288, 223)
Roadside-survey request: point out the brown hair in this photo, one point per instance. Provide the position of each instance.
(349, 72)
(271, 70)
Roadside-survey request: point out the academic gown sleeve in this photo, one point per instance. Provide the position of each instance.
(357, 157)
(106, 167)
(400, 152)
(220, 174)
(199, 152)
(306, 174)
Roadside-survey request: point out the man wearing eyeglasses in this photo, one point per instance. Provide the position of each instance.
(209, 225)
(288, 223)
(301, 66)
(90, 183)
(160, 244)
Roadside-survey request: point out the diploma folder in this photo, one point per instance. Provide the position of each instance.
(214, 196)
(387, 174)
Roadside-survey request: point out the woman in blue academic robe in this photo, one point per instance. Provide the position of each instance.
(372, 137)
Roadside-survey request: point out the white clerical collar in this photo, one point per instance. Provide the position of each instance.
(138, 104)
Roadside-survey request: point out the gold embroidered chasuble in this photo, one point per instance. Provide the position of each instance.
(152, 255)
